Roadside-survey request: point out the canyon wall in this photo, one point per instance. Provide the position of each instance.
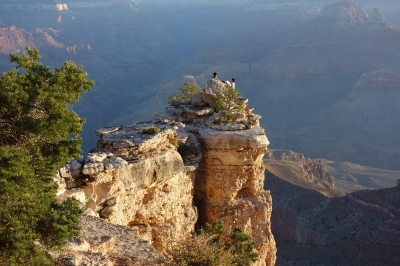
(361, 228)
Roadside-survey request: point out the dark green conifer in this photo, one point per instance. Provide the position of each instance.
(38, 134)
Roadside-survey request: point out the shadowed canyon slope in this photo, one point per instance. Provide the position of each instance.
(323, 75)
(361, 228)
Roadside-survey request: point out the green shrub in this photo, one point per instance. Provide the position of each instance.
(151, 130)
(175, 143)
(186, 150)
(188, 89)
(227, 104)
(199, 250)
(211, 247)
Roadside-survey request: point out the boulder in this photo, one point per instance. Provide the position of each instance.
(197, 99)
(211, 89)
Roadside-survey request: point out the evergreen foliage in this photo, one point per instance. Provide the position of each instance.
(211, 247)
(198, 250)
(227, 103)
(38, 134)
(188, 89)
(151, 130)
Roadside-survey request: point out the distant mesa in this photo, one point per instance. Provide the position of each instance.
(350, 13)
(345, 9)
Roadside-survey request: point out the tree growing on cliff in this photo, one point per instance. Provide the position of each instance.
(38, 134)
(188, 89)
(227, 102)
(211, 247)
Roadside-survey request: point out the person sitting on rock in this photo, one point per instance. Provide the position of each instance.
(227, 83)
(215, 75)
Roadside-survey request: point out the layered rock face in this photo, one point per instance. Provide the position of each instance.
(229, 179)
(229, 186)
(138, 180)
(135, 177)
(104, 244)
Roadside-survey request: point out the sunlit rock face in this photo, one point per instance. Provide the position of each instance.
(229, 179)
(139, 180)
(136, 177)
(103, 244)
(229, 185)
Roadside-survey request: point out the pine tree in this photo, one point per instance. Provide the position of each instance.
(188, 89)
(38, 134)
(227, 104)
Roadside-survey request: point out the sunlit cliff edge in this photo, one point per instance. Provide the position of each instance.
(138, 184)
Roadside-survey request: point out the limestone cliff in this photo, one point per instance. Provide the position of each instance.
(229, 185)
(139, 180)
(136, 178)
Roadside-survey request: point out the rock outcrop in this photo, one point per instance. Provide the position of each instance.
(313, 171)
(229, 179)
(153, 176)
(101, 243)
(138, 180)
(229, 186)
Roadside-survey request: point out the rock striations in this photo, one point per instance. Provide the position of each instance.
(314, 172)
(229, 185)
(164, 177)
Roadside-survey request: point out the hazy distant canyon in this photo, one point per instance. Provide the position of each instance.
(324, 78)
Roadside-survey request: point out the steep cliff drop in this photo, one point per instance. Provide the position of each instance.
(229, 185)
(162, 177)
(230, 176)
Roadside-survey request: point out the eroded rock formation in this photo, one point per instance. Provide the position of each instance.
(101, 243)
(136, 178)
(229, 185)
(313, 171)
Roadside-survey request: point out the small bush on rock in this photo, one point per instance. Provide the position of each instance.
(175, 143)
(186, 150)
(188, 89)
(227, 103)
(150, 130)
(211, 247)
(199, 250)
